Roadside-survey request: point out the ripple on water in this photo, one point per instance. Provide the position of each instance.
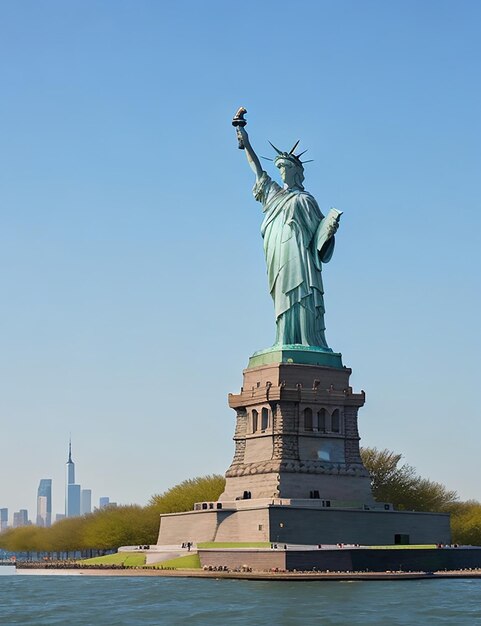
(119, 601)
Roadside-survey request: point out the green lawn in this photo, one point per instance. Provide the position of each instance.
(404, 547)
(265, 544)
(189, 561)
(254, 544)
(119, 558)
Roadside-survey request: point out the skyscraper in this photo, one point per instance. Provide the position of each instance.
(44, 502)
(20, 518)
(85, 501)
(70, 473)
(103, 502)
(73, 501)
(72, 491)
(3, 519)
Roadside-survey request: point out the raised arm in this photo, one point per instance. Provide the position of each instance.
(239, 123)
(252, 157)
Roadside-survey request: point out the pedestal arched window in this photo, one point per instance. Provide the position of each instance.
(255, 420)
(336, 421)
(321, 420)
(264, 418)
(307, 419)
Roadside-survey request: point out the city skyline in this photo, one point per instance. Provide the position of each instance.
(133, 279)
(77, 501)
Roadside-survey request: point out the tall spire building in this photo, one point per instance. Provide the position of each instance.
(72, 490)
(70, 480)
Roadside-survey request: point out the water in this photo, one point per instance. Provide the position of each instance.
(118, 601)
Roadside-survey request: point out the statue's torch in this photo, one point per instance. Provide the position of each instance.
(238, 120)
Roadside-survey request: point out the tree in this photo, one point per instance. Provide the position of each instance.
(400, 484)
(66, 535)
(466, 522)
(183, 496)
(112, 527)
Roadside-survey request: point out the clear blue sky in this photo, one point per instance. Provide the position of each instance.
(133, 285)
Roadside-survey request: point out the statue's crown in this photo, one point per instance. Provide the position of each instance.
(289, 156)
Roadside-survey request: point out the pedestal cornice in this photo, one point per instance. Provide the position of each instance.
(296, 353)
(271, 393)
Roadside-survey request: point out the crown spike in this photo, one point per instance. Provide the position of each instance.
(300, 154)
(295, 146)
(267, 158)
(276, 149)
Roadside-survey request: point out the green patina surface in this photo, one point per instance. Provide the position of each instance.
(298, 240)
(304, 355)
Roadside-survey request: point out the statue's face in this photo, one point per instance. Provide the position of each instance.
(288, 171)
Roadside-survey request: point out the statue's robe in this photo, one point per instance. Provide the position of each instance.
(292, 218)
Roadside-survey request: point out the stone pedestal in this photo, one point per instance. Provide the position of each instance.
(297, 476)
(301, 522)
(296, 433)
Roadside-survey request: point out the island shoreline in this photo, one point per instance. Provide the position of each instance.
(260, 576)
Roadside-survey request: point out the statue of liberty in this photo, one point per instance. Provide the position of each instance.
(297, 240)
